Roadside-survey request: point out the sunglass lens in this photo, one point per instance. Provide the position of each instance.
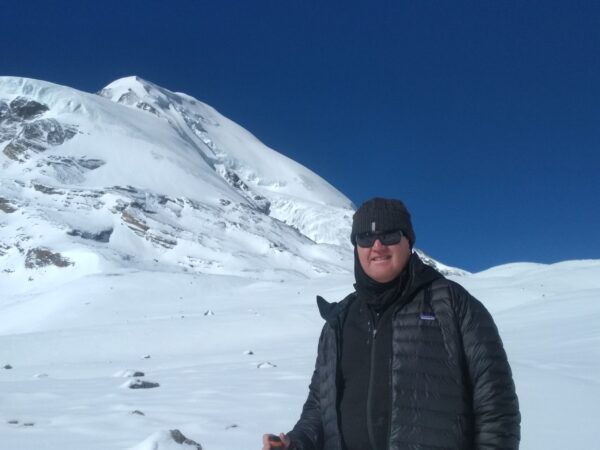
(391, 238)
(366, 240)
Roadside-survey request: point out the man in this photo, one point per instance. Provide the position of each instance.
(410, 360)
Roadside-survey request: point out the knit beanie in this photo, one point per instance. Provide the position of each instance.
(382, 214)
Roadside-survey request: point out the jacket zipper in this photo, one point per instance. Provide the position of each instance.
(391, 383)
(370, 387)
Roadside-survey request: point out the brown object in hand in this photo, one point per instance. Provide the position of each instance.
(275, 441)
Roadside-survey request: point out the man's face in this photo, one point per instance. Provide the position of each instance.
(383, 263)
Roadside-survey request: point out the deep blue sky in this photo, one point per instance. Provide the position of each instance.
(483, 116)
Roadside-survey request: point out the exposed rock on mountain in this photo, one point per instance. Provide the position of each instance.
(6, 206)
(41, 257)
(19, 124)
(22, 108)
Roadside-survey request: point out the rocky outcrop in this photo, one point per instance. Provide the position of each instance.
(49, 190)
(21, 125)
(134, 222)
(69, 170)
(135, 216)
(140, 384)
(23, 108)
(181, 439)
(261, 203)
(4, 248)
(42, 257)
(101, 236)
(7, 206)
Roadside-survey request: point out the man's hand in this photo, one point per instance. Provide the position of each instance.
(273, 442)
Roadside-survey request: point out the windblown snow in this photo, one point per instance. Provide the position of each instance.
(158, 268)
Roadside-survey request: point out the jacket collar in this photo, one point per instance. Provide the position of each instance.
(418, 275)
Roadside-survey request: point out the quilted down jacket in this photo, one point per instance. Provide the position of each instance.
(451, 384)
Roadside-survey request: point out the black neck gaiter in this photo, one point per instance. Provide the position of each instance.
(377, 295)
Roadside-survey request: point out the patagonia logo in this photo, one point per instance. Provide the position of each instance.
(427, 316)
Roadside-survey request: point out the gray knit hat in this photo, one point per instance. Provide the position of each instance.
(382, 214)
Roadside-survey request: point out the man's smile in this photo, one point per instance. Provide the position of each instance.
(381, 258)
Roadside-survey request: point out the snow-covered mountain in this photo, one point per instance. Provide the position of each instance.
(141, 177)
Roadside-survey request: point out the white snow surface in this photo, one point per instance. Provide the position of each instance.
(233, 356)
(146, 238)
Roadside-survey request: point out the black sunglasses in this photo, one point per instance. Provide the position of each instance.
(388, 238)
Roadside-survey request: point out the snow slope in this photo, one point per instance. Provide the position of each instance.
(233, 356)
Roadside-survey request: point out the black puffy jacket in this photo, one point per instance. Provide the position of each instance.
(451, 384)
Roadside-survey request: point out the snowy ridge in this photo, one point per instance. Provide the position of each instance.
(442, 268)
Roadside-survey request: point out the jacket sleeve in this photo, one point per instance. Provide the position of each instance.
(307, 434)
(495, 404)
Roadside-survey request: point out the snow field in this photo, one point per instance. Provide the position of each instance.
(206, 336)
